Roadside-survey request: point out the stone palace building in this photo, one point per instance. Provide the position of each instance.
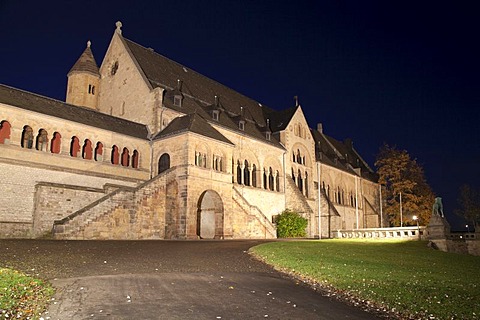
(146, 148)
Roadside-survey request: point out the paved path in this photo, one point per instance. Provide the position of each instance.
(167, 280)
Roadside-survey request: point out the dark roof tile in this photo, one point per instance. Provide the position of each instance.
(40, 104)
(86, 63)
(192, 123)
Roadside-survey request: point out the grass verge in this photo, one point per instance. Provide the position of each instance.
(21, 296)
(403, 278)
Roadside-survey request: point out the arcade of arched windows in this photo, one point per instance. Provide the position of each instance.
(299, 130)
(340, 196)
(248, 174)
(302, 180)
(86, 149)
(202, 159)
(298, 157)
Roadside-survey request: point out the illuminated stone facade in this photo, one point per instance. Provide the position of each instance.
(146, 148)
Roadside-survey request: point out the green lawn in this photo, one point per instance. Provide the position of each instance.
(406, 276)
(21, 296)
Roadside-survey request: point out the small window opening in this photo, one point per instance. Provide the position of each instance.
(241, 125)
(177, 101)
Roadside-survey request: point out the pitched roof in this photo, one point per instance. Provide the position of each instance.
(280, 119)
(341, 155)
(40, 104)
(163, 72)
(192, 123)
(200, 94)
(86, 63)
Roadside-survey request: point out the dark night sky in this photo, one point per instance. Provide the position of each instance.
(401, 72)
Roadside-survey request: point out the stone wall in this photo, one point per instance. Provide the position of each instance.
(127, 213)
(56, 201)
(18, 190)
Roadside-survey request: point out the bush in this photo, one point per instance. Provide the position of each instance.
(291, 225)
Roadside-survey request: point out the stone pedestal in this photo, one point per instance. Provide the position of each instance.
(438, 228)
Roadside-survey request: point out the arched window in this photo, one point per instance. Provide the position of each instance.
(293, 175)
(254, 175)
(74, 147)
(217, 164)
(277, 181)
(328, 192)
(293, 155)
(135, 159)
(239, 172)
(55, 145)
(87, 150)
(306, 184)
(246, 174)
(271, 181)
(115, 155)
(5, 132)
(99, 152)
(164, 163)
(42, 140)
(27, 137)
(265, 181)
(299, 158)
(201, 159)
(300, 181)
(125, 157)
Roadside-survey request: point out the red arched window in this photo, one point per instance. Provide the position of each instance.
(135, 159)
(27, 137)
(4, 132)
(87, 150)
(74, 147)
(125, 157)
(115, 155)
(99, 152)
(56, 143)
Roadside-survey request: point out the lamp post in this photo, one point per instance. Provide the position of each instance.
(468, 229)
(401, 211)
(415, 218)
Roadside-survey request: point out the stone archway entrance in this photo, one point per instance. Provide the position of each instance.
(210, 215)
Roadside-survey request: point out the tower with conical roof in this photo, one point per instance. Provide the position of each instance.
(84, 80)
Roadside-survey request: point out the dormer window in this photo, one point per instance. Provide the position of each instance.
(177, 101)
(241, 125)
(215, 115)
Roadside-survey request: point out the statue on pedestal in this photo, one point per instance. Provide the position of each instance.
(438, 228)
(438, 207)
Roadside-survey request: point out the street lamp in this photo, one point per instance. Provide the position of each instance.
(468, 229)
(415, 218)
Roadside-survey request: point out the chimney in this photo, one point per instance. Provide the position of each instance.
(320, 127)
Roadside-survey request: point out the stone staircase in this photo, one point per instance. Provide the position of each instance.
(120, 214)
(270, 231)
(296, 200)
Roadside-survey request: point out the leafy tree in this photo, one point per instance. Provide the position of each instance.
(400, 174)
(291, 225)
(469, 202)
